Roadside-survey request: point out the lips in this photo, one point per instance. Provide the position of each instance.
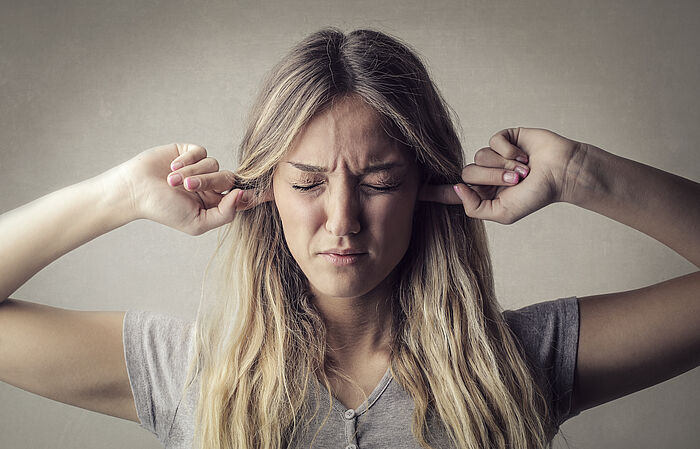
(343, 256)
(343, 252)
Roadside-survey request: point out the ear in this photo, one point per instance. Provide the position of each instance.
(249, 200)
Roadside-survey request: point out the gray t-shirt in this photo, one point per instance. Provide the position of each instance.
(158, 348)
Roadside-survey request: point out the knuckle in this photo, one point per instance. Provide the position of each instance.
(213, 163)
(467, 168)
(480, 156)
(194, 148)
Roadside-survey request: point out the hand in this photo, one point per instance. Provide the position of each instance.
(190, 198)
(538, 162)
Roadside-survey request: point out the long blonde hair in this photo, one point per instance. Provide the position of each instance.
(260, 340)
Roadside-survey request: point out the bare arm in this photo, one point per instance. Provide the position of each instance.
(660, 204)
(69, 356)
(77, 357)
(628, 340)
(40, 232)
(632, 340)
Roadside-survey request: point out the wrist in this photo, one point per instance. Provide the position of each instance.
(116, 203)
(584, 175)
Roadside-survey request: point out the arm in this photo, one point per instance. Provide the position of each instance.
(635, 339)
(42, 347)
(664, 206)
(81, 212)
(77, 357)
(627, 340)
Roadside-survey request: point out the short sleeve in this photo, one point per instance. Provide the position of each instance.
(548, 332)
(156, 349)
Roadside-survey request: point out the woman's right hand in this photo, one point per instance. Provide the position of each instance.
(188, 198)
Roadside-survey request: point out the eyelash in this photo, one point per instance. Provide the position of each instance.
(307, 188)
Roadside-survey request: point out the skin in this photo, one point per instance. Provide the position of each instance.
(627, 341)
(347, 205)
(344, 208)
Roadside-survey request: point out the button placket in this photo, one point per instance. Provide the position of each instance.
(350, 428)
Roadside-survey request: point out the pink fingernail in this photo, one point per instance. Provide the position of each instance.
(174, 179)
(522, 159)
(192, 183)
(510, 177)
(522, 171)
(457, 191)
(176, 165)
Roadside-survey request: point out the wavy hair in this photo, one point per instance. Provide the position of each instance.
(260, 341)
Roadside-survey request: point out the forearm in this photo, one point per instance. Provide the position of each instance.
(659, 204)
(40, 232)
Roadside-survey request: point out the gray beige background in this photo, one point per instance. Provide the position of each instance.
(85, 85)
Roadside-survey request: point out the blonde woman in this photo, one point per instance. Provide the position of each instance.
(355, 306)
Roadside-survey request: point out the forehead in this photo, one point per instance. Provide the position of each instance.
(347, 134)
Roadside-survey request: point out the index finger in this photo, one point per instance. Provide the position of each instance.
(439, 193)
(249, 200)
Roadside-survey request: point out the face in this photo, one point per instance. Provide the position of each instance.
(345, 186)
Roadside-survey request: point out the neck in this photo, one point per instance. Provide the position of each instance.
(357, 327)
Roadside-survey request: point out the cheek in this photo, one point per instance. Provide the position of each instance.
(393, 219)
(299, 220)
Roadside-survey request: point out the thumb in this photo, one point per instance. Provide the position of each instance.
(223, 213)
(471, 201)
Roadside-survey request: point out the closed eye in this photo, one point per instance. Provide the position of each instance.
(382, 188)
(305, 188)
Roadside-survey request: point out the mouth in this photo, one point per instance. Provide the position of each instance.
(343, 257)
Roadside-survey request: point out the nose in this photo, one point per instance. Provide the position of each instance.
(342, 211)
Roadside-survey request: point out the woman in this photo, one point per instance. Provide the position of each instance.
(354, 261)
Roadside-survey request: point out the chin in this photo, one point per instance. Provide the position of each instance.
(345, 289)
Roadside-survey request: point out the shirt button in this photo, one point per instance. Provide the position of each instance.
(350, 446)
(350, 414)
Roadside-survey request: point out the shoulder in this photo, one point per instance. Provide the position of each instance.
(548, 333)
(157, 349)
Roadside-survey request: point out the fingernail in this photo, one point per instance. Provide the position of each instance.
(522, 171)
(510, 177)
(174, 179)
(192, 183)
(457, 191)
(522, 159)
(176, 165)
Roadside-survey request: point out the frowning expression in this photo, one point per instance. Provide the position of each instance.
(346, 187)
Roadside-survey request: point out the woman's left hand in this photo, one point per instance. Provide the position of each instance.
(521, 171)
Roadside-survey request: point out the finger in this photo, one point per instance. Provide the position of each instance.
(249, 199)
(223, 213)
(183, 175)
(504, 143)
(475, 207)
(486, 157)
(475, 174)
(189, 154)
(443, 193)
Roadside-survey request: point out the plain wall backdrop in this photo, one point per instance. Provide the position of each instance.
(86, 85)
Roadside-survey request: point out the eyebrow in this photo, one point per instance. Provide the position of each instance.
(371, 169)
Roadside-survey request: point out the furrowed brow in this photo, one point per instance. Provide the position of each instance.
(371, 169)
